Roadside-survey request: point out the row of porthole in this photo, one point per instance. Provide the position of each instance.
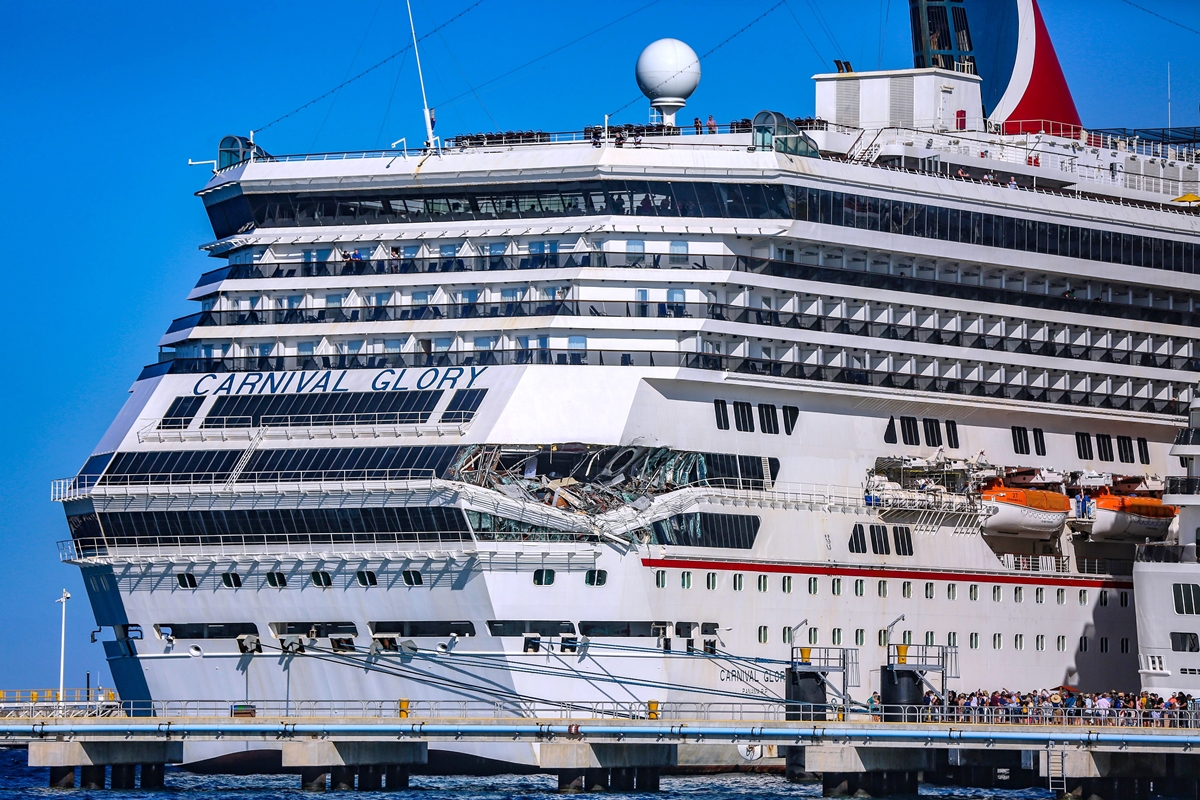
(906, 588)
(1018, 639)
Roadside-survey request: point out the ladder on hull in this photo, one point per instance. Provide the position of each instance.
(1056, 772)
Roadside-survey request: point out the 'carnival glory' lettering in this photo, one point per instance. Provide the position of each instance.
(387, 380)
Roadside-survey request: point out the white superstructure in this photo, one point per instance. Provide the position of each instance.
(566, 418)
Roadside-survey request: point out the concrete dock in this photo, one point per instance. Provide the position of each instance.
(626, 748)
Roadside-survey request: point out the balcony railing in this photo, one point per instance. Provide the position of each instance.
(783, 269)
(980, 387)
(1187, 436)
(216, 545)
(714, 311)
(1183, 485)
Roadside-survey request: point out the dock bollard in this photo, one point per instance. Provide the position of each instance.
(403, 712)
(652, 709)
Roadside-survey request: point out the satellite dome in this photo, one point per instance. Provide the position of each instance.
(668, 71)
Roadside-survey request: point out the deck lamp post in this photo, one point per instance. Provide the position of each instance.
(62, 646)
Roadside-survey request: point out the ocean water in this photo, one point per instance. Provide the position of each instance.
(18, 780)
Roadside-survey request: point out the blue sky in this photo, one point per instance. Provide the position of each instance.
(105, 103)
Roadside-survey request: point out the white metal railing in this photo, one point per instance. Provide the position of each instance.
(1024, 563)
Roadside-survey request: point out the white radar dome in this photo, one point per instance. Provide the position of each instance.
(668, 70)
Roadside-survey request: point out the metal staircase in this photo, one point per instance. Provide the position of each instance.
(244, 459)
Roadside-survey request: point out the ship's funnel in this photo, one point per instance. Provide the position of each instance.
(668, 71)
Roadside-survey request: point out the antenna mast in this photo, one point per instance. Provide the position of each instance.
(429, 141)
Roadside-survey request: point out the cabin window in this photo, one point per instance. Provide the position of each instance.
(1039, 595)
(879, 541)
(231, 580)
(412, 577)
(1061, 644)
(1185, 643)
(951, 434)
(1124, 599)
(909, 431)
(997, 594)
(997, 641)
(597, 577)
(929, 590)
(685, 579)
(1104, 597)
(1018, 594)
(1019, 641)
(660, 579)
(762, 634)
(973, 591)
(1104, 447)
(543, 577)
(835, 587)
(906, 589)
(883, 589)
(1020, 437)
(722, 411)
(903, 536)
(860, 636)
(933, 432)
(1083, 446)
(785, 584)
(187, 580)
(952, 639)
(762, 583)
(973, 640)
(679, 252)
(743, 417)
(1039, 441)
(1125, 449)
(1103, 644)
(1143, 450)
(791, 414)
(1083, 597)
(710, 580)
(738, 582)
(951, 591)
(1125, 645)
(321, 578)
(858, 539)
(1039, 643)
(366, 578)
(835, 637)
(276, 580)
(1187, 598)
(813, 635)
(768, 418)
(1061, 596)
(859, 587)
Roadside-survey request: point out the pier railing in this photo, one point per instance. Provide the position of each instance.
(774, 710)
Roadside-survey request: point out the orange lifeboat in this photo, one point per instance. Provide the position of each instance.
(1125, 517)
(1029, 513)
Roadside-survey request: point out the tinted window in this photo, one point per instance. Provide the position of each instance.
(908, 430)
(879, 540)
(743, 417)
(889, 435)
(858, 540)
(1039, 441)
(903, 536)
(790, 415)
(1185, 643)
(933, 432)
(768, 418)
(1125, 449)
(1104, 447)
(952, 434)
(1083, 446)
(1143, 451)
(722, 411)
(1020, 437)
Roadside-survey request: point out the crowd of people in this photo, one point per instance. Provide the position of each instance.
(1061, 706)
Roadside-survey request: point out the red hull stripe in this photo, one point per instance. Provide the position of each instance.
(1028, 579)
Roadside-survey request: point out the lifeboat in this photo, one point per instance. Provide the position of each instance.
(1028, 513)
(1128, 518)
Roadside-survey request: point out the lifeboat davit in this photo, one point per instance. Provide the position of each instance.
(1127, 518)
(1028, 513)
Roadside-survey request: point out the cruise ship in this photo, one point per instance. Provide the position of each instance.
(627, 414)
